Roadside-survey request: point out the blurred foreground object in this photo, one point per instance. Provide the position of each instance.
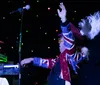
(3, 58)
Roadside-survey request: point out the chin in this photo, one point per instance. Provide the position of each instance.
(61, 51)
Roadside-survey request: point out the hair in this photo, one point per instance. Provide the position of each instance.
(79, 48)
(94, 21)
(59, 39)
(86, 50)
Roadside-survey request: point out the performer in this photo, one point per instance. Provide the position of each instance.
(60, 73)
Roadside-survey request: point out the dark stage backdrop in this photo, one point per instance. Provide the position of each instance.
(40, 28)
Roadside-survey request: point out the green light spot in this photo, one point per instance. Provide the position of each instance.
(26, 30)
(73, 18)
(22, 43)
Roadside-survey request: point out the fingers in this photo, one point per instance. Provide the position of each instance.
(62, 6)
(22, 62)
(58, 11)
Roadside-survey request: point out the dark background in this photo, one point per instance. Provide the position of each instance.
(40, 28)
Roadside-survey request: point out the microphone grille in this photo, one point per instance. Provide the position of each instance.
(27, 7)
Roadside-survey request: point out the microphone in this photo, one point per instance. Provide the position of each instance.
(27, 7)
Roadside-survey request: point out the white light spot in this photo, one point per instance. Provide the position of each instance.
(32, 51)
(3, 17)
(75, 11)
(37, 15)
(9, 1)
(12, 47)
(17, 37)
(37, 0)
(54, 39)
(23, 1)
(40, 28)
(48, 47)
(19, 19)
(45, 33)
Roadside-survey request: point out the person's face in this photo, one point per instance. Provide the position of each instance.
(61, 45)
(84, 51)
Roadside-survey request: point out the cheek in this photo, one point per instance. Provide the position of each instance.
(62, 47)
(84, 51)
(61, 44)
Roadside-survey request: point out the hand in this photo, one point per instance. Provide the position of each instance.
(62, 13)
(26, 61)
(85, 27)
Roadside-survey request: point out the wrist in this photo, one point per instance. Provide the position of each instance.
(31, 59)
(63, 20)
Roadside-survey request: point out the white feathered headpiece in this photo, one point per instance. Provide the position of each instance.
(94, 21)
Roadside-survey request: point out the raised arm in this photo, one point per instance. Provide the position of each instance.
(65, 27)
(62, 13)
